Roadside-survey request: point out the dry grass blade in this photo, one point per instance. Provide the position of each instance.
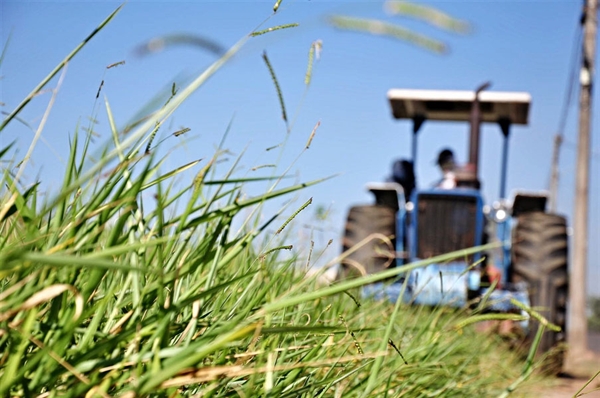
(115, 64)
(45, 295)
(312, 134)
(174, 366)
(217, 372)
(314, 52)
(428, 14)
(377, 27)
(160, 43)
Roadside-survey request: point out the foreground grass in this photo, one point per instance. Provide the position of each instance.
(117, 286)
(139, 308)
(121, 283)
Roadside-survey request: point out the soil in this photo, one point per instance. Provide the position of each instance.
(567, 387)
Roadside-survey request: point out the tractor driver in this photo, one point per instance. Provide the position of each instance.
(447, 165)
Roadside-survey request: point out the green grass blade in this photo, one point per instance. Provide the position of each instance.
(277, 87)
(169, 175)
(274, 28)
(137, 135)
(351, 284)
(77, 262)
(235, 207)
(57, 69)
(190, 356)
(5, 48)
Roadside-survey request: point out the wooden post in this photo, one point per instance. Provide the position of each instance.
(577, 328)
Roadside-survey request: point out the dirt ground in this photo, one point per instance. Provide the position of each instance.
(568, 387)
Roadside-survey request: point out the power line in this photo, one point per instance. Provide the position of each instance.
(559, 137)
(572, 78)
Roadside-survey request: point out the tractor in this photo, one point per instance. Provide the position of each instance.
(407, 224)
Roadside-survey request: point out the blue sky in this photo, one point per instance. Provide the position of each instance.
(518, 45)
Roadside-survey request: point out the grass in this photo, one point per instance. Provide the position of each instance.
(122, 283)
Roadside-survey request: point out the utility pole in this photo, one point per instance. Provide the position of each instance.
(577, 330)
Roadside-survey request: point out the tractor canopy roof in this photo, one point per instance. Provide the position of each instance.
(450, 105)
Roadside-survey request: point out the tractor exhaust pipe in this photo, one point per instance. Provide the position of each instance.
(475, 127)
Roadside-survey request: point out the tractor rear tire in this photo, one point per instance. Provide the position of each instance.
(540, 258)
(369, 239)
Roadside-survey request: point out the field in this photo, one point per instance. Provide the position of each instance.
(123, 282)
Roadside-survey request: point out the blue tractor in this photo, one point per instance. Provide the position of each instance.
(407, 224)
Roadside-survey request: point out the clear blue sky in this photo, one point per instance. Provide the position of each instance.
(518, 45)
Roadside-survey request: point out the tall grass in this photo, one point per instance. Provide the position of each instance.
(124, 284)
